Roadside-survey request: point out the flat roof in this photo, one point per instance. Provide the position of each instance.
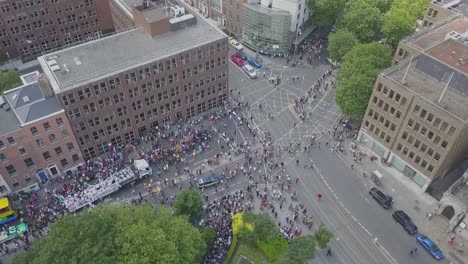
(431, 36)
(155, 13)
(130, 4)
(450, 52)
(265, 10)
(108, 56)
(460, 6)
(428, 87)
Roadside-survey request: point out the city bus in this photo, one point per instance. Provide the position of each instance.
(7, 214)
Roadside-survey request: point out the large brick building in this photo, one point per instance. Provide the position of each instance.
(30, 27)
(36, 140)
(172, 66)
(417, 117)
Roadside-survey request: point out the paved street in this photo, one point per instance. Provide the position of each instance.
(364, 232)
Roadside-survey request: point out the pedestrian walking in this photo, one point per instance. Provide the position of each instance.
(329, 253)
(319, 196)
(411, 252)
(297, 179)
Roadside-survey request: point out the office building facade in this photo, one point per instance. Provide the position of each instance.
(173, 68)
(29, 28)
(417, 119)
(266, 29)
(36, 141)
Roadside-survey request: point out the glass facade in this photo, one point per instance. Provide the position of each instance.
(266, 29)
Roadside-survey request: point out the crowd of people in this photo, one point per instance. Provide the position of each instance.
(167, 150)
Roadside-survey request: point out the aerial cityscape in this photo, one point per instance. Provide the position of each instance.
(233, 131)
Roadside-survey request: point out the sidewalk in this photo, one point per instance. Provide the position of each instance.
(18, 64)
(409, 198)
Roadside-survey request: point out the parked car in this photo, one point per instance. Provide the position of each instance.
(430, 246)
(405, 221)
(208, 181)
(384, 200)
(242, 55)
(237, 60)
(250, 71)
(253, 61)
(235, 44)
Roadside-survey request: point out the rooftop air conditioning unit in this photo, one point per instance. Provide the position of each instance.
(453, 35)
(177, 11)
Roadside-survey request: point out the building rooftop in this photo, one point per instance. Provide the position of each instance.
(9, 121)
(428, 37)
(451, 53)
(460, 6)
(428, 76)
(266, 10)
(28, 103)
(107, 56)
(130, 4)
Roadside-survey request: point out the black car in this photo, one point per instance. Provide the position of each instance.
(384, 200)
(405, 221)
(242, 55)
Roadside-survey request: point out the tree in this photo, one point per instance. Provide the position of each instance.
(118, 234)
(9, 79)
(265, 228)
(400, 21)
(189, 203)
(3, 57)
(325, 12)
(323, 236)
(362, 19)
(340, 43)
(358, 73)
(209, 236)
(300, 249)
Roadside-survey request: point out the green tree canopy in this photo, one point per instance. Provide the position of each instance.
(323, 236)
(118, 234)
(325, 12)
(9, 79)
(400, 21)
(357, 76)
(265, 228)
(362, 19)
(340, 43)
(300, 249)
(189, 203)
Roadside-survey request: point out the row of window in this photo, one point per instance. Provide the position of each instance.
(435, 122)
(46, 155)
(432, 13)
(379, 133)
(420, 146)
(141, 118)
(391, 94)
(11, 170)
(421, 162)
(385, 122)
(418, 128)
(35, 131)
(90, 152)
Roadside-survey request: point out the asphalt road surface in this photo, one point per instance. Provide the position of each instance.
(364, 231)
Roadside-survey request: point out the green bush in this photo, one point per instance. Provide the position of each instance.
(232, 249)
(209, 236)
(273, 249)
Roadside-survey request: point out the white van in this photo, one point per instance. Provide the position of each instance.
(250, 71)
